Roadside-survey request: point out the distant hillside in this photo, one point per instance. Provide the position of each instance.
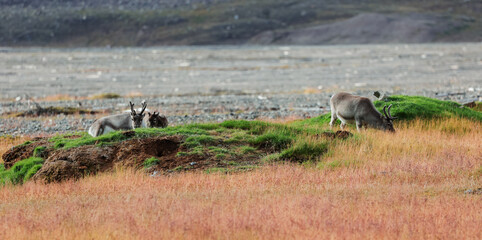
(208, 22)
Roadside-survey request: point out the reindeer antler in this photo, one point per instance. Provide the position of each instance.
(132, 107)
(385, 111)
(389, 114)
(144, 105)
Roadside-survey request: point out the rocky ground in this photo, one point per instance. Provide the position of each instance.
(212, 84)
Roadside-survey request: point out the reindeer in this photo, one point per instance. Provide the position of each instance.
(350, 108)
(156, 120)
(124, 121)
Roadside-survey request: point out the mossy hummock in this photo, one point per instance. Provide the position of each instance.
(247, 143)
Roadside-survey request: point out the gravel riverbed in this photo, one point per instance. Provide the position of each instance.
(212, 84)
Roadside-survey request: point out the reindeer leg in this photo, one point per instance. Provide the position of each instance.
(359, 124)
(333, 119)
(342, 125)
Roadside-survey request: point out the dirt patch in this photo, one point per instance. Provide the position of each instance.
(132, 153)
(24, 151)
(75, 163)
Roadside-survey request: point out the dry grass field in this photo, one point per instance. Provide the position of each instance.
(376, 185)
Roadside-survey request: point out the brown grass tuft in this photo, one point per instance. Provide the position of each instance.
(58, 97)
(105, 96)
(134, 94)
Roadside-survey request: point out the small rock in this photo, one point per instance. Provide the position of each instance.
(377, 94)
(473, 191)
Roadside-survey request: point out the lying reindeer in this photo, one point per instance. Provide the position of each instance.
(124, 121)
(157, 121)
(350, 108)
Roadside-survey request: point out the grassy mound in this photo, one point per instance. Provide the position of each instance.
(234, 145)
(407, 108)
(240, 144)
(411, 107)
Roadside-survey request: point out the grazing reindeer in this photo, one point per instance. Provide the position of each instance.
(124, 121)
(156, 120)
(350, 108)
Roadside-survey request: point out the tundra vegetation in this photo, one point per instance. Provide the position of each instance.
(423, 182)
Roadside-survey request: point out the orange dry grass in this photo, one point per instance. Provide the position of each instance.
(409, 185)
(58, 97)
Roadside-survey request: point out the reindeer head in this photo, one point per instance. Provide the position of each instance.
(155, 120)
(388, 119)
(137, 117)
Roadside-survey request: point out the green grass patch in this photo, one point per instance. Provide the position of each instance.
(39, 151)
(270, 158)
(273, 140)
(216, 170)
(25, 143)
(253, 127)
(150, 162)
(32, 171)
(214, 149)
(304, 150)
(199, 150)
(478, 107)
(412, 107)
(198, 140)
(191, 129)
(21, 171)
(221, 170)
(246, 149)
(231, 163)
(63, 141)
(239, 136)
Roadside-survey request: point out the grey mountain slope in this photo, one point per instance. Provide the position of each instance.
(369, 28)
